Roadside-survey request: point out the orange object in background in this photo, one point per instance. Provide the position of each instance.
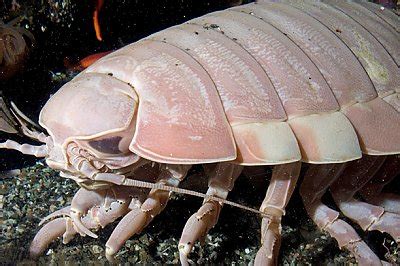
(85, 62)
(99, 5)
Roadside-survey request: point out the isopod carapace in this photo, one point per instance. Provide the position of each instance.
(268, 83)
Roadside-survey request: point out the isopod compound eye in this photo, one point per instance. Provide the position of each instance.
(106, 145)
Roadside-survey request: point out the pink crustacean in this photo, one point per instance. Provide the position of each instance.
(269, 83)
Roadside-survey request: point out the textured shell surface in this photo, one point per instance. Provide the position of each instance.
(265, 83)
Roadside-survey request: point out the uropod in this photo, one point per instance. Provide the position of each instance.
(275, 83)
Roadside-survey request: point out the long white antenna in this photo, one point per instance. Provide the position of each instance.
(144, 184)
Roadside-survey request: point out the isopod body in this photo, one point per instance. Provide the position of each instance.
(267, 83)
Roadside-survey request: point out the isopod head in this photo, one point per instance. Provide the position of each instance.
(94, 113)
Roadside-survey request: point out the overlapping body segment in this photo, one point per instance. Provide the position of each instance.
(178, 104)
(340, 68)
(297, 81)
(377, 63)
(246, 92)
(341, 47)
(383, 32)
(251, 104)
(270, 65)
(386, 14)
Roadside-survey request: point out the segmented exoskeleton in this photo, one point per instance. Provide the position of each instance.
(268, 83)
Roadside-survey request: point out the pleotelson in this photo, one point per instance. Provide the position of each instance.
(266, 83)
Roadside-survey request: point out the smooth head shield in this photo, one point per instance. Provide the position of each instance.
(95, 110)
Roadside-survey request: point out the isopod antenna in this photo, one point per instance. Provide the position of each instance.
(28, 127)
(144, 184)
(37, 151)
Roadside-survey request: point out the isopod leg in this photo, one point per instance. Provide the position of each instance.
(46, 235)
(316, 181)
(58, 227)
(368, 216)
(280, 189)
(98, 210)
(389, 201)
(372, 191)
(221, 180)
(81, 203)
(140, 215)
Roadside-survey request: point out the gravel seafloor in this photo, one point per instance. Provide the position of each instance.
(38, 191)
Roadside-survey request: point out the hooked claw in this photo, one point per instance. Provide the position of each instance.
(80, 227)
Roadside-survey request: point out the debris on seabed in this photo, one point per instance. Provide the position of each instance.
(38, 190)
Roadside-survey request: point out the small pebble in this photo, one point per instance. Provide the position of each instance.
(97, 249)
(49, 252)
